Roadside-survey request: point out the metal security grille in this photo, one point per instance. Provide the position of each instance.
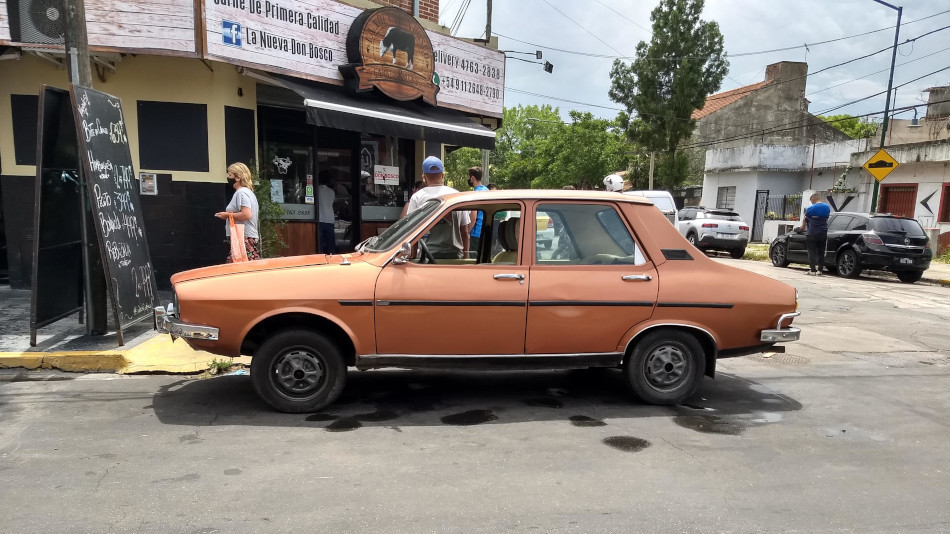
(898, 200)
(726, 200)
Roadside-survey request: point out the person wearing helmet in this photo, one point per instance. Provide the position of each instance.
(613, 182)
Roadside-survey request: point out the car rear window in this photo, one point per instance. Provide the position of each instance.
(723, 215)
(893, 224)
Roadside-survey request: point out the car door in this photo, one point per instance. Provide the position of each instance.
(585, 300)
(456, 307)
(797, 251)
(837, 233)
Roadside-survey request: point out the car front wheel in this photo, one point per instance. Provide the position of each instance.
(691, 237)
(737, 253)
(849, 266)
(909, 277)
(298, 371)
(779, 255)
(665, 367)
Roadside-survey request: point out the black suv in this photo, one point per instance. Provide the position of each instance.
(858, 241)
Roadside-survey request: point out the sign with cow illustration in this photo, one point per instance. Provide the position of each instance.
(391, 51)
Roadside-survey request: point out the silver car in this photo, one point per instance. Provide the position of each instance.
(714, 229)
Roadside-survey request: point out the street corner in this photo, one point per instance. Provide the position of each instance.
(162, 355)
(91, 362)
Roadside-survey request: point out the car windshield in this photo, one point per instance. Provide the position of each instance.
(900, 226)
(400, 230)
(723, 215)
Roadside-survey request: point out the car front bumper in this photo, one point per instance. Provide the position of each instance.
(167, 323)
(780, 334)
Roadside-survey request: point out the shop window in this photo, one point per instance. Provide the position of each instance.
(239, 135)
(726, 199)
(173, 136)
(24, 110)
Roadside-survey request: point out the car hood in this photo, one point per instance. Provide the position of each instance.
(264, 265)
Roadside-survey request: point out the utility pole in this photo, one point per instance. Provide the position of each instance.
(887, 102)
(488, 25)
(80, 73)
(651, 172)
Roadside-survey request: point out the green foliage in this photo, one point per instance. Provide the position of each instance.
(581, 153)
(219, 366)
(457, 164)
(854, 127)
(516, 160)
(671, 77)
(269, 213)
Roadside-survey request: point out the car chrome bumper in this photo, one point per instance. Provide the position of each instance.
(167, 323)
(779, 334)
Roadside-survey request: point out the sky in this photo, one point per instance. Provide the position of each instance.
(614, 27)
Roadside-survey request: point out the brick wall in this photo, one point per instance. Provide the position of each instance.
(428, 9)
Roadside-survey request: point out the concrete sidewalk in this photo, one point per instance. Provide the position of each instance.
(64, 344)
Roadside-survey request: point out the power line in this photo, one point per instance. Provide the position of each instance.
(741, 54)
(529, 93)
(581, 27)
(635, 23)
(877, 72)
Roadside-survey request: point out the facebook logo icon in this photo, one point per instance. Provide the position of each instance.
(231, 33)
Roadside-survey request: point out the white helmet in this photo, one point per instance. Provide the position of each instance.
(613, 182)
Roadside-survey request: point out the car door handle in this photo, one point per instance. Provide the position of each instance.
(637, 277)
(509, 277)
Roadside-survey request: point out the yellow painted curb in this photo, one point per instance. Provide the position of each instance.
(78, 361)
(161, 355)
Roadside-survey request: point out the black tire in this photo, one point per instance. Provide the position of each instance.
(849, 265)
(737, 253)
(665, 367)
(691, 237)
(909, 277)
(779, 255)
(298, 371)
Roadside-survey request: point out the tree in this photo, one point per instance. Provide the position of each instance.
(457, 164)
(854, 127)
(671, 77)
(581, 153)
(515, 162)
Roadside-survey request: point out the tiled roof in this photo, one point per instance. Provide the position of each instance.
(720, 100)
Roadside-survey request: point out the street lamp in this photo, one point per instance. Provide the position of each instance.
(887, 103)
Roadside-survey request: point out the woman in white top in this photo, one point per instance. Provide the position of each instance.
(243, 207)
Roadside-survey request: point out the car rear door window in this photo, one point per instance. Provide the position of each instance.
(858, 223)
(589, 234)
(839, 223)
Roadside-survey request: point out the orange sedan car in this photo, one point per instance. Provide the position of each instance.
(621, 288)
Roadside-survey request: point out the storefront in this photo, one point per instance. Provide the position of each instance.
(305, 89)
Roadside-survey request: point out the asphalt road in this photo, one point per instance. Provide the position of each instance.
(846, 432)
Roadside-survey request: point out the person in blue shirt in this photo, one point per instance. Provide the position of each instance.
(475, 181)
(815, 226)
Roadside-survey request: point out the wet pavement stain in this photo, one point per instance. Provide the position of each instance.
(545, 403)
(190, 439)
(377, 416)
(710, 424)
(694, 407)
(232, 471)
(345, 424)
(322, 417)
(471, 417)
(627, 443)
(584, 421)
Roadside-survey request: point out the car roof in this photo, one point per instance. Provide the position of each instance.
(866, 214)
(544, 194)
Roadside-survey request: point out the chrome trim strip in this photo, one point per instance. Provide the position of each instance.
(504, 303)
(641, 304)
(355, 302)
(484, 356)
(693, 305)
(784, 316)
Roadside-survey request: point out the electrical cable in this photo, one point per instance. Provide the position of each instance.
(581, 27)
(877, 72)
(649, 31)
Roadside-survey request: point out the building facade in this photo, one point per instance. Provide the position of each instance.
(356, 92)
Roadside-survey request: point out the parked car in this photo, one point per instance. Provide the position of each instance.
(714, 229)
(863, 241)
(628, 292)
(663, 201)
(545, 235)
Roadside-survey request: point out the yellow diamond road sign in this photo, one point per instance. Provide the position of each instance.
(881, 164)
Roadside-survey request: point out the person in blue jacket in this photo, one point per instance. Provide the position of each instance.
(815, 226)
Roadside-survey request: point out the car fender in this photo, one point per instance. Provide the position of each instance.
(626, 343)
(358, 343)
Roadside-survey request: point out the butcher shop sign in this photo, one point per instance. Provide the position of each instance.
(388, 49)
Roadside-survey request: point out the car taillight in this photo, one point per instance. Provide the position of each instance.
(745, 228)
(710, 225)
(550, 223)
(872, 239)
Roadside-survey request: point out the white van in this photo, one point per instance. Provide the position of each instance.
(663, 200)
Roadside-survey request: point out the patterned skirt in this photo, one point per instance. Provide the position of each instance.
(250, 245)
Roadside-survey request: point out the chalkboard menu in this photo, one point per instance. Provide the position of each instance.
(57, 242)
(114, 198)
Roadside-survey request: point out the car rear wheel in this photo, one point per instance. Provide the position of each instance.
(691, 237)
(737, 253)
(298, 371)
(779, 255)
(849, 266)
(909, 277)
(665, 367)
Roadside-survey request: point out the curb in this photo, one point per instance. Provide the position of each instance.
(78, 361)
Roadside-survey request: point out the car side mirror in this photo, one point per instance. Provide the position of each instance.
(405, 252)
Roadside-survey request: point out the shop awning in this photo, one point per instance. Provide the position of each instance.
(333, 107)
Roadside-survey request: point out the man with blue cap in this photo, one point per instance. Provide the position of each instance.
(450, 236)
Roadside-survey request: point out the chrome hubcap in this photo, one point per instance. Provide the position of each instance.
(847, 263)
(666, 367)
(778, 254)
(299, 372)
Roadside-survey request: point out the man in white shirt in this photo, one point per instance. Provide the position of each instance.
(449, 237)
(325, 198)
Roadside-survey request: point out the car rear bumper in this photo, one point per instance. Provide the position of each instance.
(167, 323)
(712, 241)
(780, 334)
(895, 262)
